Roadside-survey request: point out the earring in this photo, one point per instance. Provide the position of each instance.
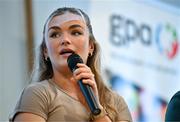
(90, 54)
(47, 59)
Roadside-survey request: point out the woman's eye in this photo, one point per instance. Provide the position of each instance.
(55, 35)
(76, 33)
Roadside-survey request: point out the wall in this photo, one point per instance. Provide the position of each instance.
(13, 66)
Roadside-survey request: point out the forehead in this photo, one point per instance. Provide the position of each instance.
(66, 17)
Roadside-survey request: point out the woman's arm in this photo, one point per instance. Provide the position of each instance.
(106, 119)
(28, 117)
(103, 119)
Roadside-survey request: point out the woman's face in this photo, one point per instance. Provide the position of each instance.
(66, 34)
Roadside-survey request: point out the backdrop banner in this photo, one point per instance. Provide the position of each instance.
(140, 47)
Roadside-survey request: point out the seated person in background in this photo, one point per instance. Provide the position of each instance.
(173, 108)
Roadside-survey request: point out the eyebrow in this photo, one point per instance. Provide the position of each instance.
(54, 27)
(71, 27)
(75, 26)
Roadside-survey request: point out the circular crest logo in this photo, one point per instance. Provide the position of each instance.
(167, 40)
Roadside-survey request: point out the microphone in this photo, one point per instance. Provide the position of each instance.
(87, 91)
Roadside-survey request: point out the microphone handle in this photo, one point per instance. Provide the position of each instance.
(90, 98)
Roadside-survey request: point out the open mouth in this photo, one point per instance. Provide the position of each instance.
(66, 52)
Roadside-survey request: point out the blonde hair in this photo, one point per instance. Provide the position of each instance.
(43, 68)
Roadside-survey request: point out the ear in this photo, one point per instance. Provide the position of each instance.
(91, 47)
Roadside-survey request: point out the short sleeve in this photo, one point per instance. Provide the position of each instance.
(123, 113)
(32, 100)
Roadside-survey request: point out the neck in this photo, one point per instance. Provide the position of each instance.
(70, 86)
(62, 79)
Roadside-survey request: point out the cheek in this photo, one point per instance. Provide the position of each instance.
(51, 46)
(84, 50)
(84, 46)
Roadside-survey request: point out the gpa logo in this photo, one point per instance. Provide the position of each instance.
(166, 39)
(125, 32)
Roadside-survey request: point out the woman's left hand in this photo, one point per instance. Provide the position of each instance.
(84, 72)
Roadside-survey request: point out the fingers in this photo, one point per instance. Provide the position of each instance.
(84, 76)
(85, 73)
(82, 68)
(89, 82)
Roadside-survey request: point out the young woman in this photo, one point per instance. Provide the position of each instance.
(56, 96)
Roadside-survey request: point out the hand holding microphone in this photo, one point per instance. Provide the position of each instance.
(86, 89)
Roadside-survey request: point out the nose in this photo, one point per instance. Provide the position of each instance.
(64, 40)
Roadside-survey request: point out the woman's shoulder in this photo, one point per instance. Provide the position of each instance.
(39, 91)
(117, 100)
(33, 99)
(121, 107)
(42, 85)
(116, 96)
(43, 88)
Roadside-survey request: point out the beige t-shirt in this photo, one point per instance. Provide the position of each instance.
(49, 101)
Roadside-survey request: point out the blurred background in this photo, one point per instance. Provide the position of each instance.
(139, 41)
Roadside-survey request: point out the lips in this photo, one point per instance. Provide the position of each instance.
(66, 52)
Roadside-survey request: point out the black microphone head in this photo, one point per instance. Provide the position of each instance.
(72, 61)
